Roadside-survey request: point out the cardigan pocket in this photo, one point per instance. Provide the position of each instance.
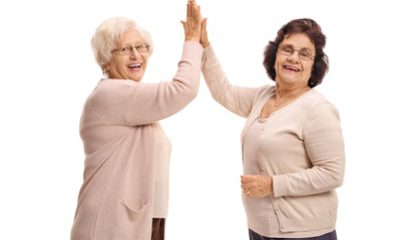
(134, 212)
(134, 221)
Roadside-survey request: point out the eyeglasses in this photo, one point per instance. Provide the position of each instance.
(304, 53)
(130, 50)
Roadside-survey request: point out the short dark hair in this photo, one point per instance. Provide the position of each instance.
(314, 33)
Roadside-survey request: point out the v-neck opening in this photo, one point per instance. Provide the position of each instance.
(275, 112)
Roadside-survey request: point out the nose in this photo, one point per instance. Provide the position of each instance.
(134, 53)
(294, 56)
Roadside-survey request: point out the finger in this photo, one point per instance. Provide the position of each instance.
(199, 14)
(193, 3)
(249, 193)
(244, 180)
(189, 10)
(248, 178)
(195, 14)
(204, 24)
(247, 186)
(183, 24)
(199, 10)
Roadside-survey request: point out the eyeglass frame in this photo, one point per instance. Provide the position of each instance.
(140, 48)
(281, 50)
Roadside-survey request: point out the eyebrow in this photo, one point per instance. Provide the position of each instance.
(291, 46)
(135, 44)
(286, 45)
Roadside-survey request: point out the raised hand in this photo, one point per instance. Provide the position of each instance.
(204, 39)
(192, 27)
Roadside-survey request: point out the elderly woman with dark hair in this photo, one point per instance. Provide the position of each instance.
(124, 195)
(292, 144)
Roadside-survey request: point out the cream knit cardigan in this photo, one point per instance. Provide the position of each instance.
(118, 127)
(303, 151)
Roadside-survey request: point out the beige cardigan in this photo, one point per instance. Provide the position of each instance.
(118, 128)
(302, 149)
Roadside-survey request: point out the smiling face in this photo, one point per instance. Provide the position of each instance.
(293, 67)
(131, 62)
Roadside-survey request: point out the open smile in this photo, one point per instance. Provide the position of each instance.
(135, 66)
(291, 68)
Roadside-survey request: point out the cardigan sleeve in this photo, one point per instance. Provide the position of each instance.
(149, 102)
(324, 145)
(238, 100)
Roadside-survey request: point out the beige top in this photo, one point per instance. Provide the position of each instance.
(300, 146)
(123, 143)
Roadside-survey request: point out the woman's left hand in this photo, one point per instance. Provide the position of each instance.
(204, 39)
(257, 185)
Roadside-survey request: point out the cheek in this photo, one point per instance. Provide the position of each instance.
(120, 68)
(309, 68)
(113, 68)
(145, 58)
(117, 63)
(279, 59)
(277, 64)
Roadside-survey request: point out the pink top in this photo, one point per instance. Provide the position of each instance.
(123, 144)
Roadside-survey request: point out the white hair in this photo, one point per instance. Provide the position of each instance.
(109, 33)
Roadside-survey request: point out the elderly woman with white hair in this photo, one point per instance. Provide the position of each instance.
(125, 190)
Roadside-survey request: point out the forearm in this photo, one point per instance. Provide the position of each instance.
(161, 100)
(238, 100)
(324, 146)
(187, 76)
(307, 182)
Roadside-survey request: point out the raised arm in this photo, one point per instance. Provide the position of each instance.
(238, 100)
(147, 103)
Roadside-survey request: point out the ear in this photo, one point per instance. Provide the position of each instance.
(106, 67)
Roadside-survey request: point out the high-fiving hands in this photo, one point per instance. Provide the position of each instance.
(192, 26)
(195, 28)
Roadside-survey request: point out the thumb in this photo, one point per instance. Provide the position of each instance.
(183, 24)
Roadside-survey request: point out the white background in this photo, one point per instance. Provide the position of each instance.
(47, 70)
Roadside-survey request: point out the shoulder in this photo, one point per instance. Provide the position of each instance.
(106, 87)
(115, 84)
(264, 92)
(109, 91)
(316, 103)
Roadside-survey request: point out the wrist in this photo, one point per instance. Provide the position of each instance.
(192, 38)
(205, 44)
(271, 186)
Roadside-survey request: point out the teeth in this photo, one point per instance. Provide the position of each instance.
(135, 65)
(291, 68)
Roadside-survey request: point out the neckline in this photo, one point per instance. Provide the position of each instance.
(273, 93)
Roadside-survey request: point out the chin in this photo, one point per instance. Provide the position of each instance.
(137, 78)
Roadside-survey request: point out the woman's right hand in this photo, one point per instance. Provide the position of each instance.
(192, 27)
(204, 39)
